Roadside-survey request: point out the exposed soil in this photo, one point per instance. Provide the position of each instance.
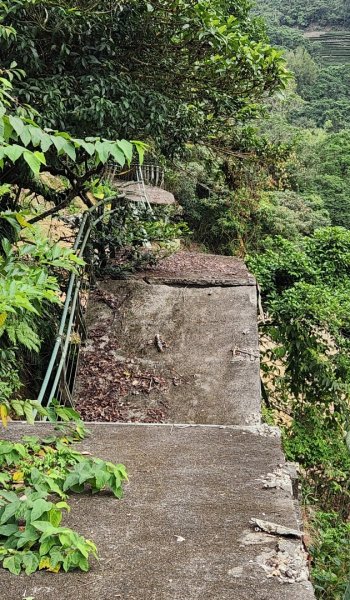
(58, 231)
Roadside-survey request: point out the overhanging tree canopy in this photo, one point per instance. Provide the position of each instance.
(171, 70)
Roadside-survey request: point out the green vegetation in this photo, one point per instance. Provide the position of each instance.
(32, 269)
(259, 161)
(305, 277)
(32, 280)
(36, 476)
(306, 288)
(322, 27)
(298, 14)
(331, 554)
(164, 72)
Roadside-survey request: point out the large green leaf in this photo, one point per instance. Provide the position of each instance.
(39, 508)
(13, 152)
(117, 154)
(12, 564)
(127, 149)
(33, 161)
(9, 511)
(30, 562)
(7, 530)
(17, 124)
(25, 136)
(59, 142)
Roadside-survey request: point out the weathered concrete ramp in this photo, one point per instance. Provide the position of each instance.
(182, 531)
(192, 324)
(182, 337)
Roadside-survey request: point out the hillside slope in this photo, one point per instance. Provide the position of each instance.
(322, 26)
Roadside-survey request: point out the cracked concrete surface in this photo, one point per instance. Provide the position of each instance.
(182, 530)
(211, 347)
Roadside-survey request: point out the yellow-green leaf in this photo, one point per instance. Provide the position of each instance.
(18, 476)
(22, 221)
(4, 414)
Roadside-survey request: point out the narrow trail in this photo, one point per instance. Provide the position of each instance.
(171, 362)
(178, 343)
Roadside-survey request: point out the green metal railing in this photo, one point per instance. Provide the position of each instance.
(62, 369)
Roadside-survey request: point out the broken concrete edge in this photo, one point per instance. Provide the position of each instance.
(197, 282)
(260, 563)
(198, 270)
(287, 562)
(263, 429)
(283, 477)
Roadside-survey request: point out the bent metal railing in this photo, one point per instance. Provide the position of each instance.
(62, 369)
(149, 173)
(132, 180)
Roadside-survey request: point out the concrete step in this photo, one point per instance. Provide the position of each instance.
(202, 309)
(182, 531)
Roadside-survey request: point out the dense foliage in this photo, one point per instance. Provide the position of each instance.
(306, 287)
(331, 554)
(33, 274)
(165, 70)
(300, 14)
(260, 164)
(32, 269)
(305, 280)
(36, 478)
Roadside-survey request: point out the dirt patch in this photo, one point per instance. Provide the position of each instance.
(59, 231)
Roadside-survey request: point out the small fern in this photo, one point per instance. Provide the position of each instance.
(23, 333)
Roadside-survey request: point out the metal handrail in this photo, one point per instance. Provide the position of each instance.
(56, 384)
(125, 179)
(62, 369)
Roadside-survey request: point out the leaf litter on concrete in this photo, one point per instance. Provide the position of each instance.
(113, 388)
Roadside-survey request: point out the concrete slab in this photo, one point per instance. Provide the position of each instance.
(136, 193)
(182, 530)
(210, 358)
(198, 269)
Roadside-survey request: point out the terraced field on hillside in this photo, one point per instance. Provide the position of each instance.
(332, 46)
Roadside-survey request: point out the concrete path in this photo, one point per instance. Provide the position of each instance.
(182, 531)
(192, 324)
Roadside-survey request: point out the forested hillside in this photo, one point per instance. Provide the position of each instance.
(300, 278)
(299, 14)
(255, 139)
